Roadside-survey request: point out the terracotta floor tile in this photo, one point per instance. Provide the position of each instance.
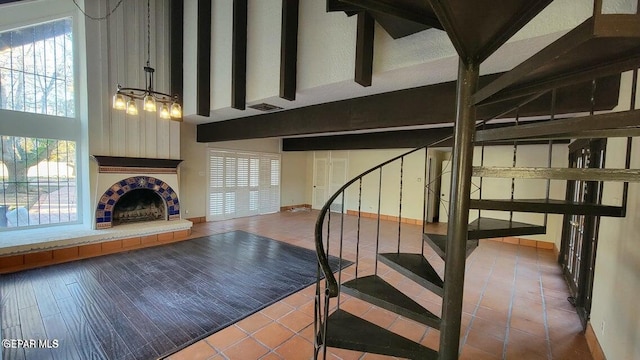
(295, 348)
(277, 310)
(408, 328)
(296, 320)
(197, 351)
(471, 353)
(254, 322)
(246, 349)
(380, 317)
(486, 343)
(226, 337)
(272, 356)
(273, 335)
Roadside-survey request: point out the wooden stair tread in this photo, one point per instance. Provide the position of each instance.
(439, 242)
(550, 206)
(487, 228)
(375, 290)
(416, 268)
(621, 124)
(347, 331)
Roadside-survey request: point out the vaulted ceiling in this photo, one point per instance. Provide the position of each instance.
(354, 65)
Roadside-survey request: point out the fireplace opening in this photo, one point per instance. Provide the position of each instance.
(139, 205)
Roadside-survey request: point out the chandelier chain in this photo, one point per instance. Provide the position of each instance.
(98, 18)
(148, 32)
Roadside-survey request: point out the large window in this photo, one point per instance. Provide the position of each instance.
(37, 181)
(242, 184)
(36, 69)
(39, 126)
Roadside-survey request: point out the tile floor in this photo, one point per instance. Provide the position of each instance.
(515, 303)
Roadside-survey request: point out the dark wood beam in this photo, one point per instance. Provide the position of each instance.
(337, 5)
(364, 49)
(407, 139)
(203, 65)
(177, 48)
(289, 49)
(433, 104)
(418, 12)
(239, 56)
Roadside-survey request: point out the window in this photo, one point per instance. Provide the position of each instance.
(37, 181)
(41, 130)
(36, 69)
(242, 184)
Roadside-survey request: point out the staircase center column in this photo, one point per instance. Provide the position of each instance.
(461, 162)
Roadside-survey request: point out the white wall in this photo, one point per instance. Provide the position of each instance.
(617, 271)
(412, 183)
(527, 156)
(295, 182)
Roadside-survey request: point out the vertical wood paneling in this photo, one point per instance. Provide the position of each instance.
(144, 135)
(117, 68)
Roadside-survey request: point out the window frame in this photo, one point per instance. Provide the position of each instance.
(43, 126)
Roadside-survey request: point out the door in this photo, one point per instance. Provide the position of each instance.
(320, 179)
(580, 232)
(329, 174)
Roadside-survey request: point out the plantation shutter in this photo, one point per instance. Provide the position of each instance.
(242, 184)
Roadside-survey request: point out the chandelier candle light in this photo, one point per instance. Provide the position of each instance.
(170, 107)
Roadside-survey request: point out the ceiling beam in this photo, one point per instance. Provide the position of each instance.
(421, 14)
(289, 49)
(401, 139)
(432, 104)
(364, 48)
(239, 56)
(177, 48)
(203, 62)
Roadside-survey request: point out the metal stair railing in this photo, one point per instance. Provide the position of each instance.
(331, 284)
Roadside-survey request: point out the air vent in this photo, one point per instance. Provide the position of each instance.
(265, 107)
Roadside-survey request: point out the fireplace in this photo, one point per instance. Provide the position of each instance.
(138, 205)
(138, 197)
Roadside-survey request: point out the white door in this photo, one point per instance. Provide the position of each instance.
(329, 174)
(337, 178)
(320, 180)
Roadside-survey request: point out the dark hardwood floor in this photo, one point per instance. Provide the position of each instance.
(146, 303)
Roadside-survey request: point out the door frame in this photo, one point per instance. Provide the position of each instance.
(582, 289)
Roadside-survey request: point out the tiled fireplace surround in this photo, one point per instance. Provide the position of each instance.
(116, 177)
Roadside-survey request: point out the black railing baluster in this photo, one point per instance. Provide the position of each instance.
(375, 271)
(627, 164)
(515, 151)
(549, 162)
(426, 196)
(358, 228)
(341, 242)
(400, 201)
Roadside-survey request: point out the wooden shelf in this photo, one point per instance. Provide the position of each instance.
(602, 45)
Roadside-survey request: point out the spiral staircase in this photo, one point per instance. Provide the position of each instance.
(603, 45)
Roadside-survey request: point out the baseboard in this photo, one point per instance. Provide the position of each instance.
(526, 242)
(197, 220)
(594, 345)
(32, 260)
(385, 217)
(291, 207)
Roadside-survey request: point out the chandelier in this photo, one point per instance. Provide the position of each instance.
(125, 97)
